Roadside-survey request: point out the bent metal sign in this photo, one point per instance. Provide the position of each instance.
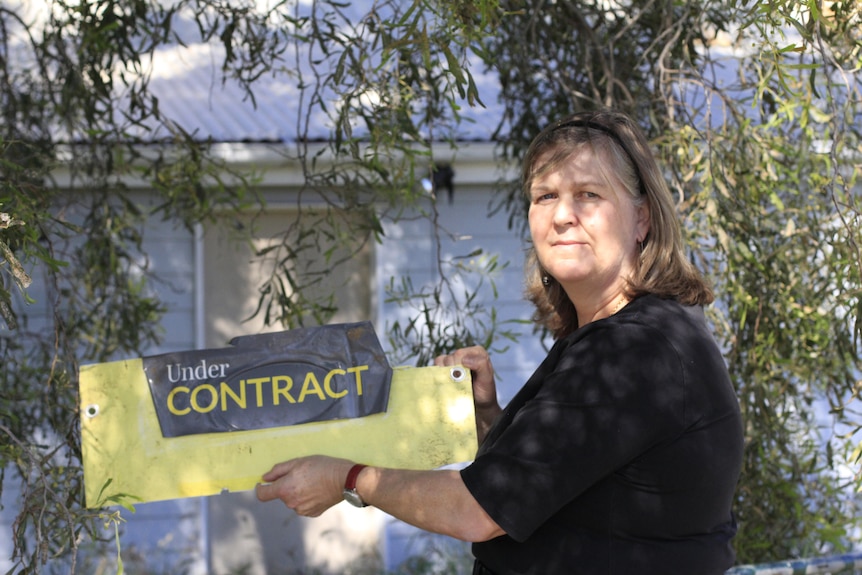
(271, 380)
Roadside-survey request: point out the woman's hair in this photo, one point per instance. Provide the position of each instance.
(662, 268)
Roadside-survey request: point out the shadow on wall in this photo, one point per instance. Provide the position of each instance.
(246, 536)
(255, 538)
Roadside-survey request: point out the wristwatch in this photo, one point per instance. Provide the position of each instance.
(350, 494)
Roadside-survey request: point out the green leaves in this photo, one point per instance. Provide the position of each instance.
(780, 248)
(450, 313)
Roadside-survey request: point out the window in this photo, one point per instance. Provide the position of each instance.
(234, 276)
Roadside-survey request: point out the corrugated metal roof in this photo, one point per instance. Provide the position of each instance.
(188, 83)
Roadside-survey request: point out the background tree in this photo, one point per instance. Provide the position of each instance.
(753, 106)
(79, 121)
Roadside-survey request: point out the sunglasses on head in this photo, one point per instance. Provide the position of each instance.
(593, 125)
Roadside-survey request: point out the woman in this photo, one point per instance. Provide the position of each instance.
(621, 453)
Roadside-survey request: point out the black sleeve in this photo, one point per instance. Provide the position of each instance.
(614, 393)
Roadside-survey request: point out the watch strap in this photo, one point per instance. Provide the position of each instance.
(352, 475)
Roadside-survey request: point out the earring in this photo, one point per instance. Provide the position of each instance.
(546, 281)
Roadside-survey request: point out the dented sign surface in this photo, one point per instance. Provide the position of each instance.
(271, 380)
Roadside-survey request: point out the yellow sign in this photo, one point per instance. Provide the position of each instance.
(429, 422)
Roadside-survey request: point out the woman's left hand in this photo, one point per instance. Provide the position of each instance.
(308, 485)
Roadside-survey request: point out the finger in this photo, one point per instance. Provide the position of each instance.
(277, 471)
(471, 362)
(309, 511)
(475, 358)
(265, 492)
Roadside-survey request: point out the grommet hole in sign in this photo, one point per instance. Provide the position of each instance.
(458, 374)
(91, 411)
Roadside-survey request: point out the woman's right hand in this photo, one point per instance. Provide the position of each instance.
(477, 360)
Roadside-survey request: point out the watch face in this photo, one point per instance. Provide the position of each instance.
(353, 498)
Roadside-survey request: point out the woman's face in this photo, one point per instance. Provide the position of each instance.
(585, 227)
